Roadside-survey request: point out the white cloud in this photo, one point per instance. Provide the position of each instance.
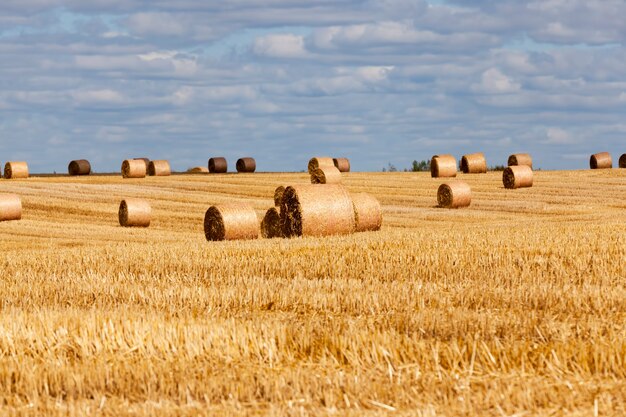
(558, 136)
(495, 82)
(280, 46)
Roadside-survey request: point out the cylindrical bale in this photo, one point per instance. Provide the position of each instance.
(15, 170)
(10, 207)
(319, 162)
(517, 176)
(159, 168)
(326, 175)
(342, 164)
(133, 168)
(278, 195)
(622, 161)
(198, 170)
(518, 159)
(443, 166)
(317, 210)
(601, 160)
(235, 221)
(454, 194)
(134, 212)
(367, 212)
(474, 163)
(145, 160)
(247, 165)
(79, 167)
(270, 225)
(218, 165)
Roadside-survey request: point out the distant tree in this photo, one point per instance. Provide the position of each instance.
(422, 166)
(497, 168)
(390, 168)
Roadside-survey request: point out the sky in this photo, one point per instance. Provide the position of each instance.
(378, 81)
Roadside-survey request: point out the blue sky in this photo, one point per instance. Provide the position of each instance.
(378, 81)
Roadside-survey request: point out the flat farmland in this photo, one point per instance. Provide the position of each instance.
(515, 306)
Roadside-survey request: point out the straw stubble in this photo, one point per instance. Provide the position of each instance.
(235, 221)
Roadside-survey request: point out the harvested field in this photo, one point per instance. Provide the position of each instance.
(512, 306)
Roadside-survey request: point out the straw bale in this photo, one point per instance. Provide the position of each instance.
(278, 195)
(518, 159)
(317, 210)
(518, 176)
(79, 167)
(443, 166)
(133, 168)
(319, 162)
(474, 163)
(271, 226)
(218, 165)
(198, 170)
(247, 165)
(235, 221)
(326, 175)
(342, 164)
(455, 194)
(601, 160)
(15, 170)
(146, 161)
(10, 207)
(159, 168)
(134, 212)
(622, 161)
(367, 212)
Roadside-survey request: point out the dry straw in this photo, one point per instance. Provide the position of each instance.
(601, 160)
(236, 221)
(15, 170)
(134, 212)
(278, 195)
(10, 207)
(317, 210)
(326, 175)
(367, 212)
(159, 168)
(622, 161)
(79, 167)
(133, 168)
(145, 160)
(342, 164)
(520, 176)
(474, 163)
(319, 162)
(198, 170)
(456, 194)
(270, 226)
(247, 165)
(518, 159)
(218, 165)
(443, 166)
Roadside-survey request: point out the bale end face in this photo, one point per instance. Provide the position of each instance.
(454, 195)
(278, 195)
(134, 213)
(517, 176)
(622, 161)
(270, 226)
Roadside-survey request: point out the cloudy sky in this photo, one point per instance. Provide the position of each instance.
(379, 81)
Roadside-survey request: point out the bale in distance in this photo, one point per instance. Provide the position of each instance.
(235, 221)
(10, 207)
(133, 168)
(278, 195)
(159, 168)
(319, 162)
(455, 194)
(601, 160)
(134, 212)
(270, 225)
(317, 210)
(474, 163)
(218, 165)
(16, 170)
(79, 167)
(518, 159)
(326, 175)
(198, 170)
(145, 160)
(443, 166)
(517, 176)
(246, 165)
(367, 212)
(342, 164)
(622, 161)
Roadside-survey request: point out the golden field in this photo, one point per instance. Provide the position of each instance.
(515, 306)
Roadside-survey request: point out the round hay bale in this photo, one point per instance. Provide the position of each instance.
(246, 165)
(474, 163)
(198, 170)
(318, 162)
(133, 168)
(10, 207)
(317, 210)
(79, 167)
(443, 166)
(622, 161)
(367, 212)
(145, 160)
(601, 160)
(518, 159)
(270, 225)
(342, 164)
(159, 168)
(218, 165)
(517, 176)
(278, 195)
(236, 221)
(134, 212)
(454, 194)
(326, 175)
(15, 170)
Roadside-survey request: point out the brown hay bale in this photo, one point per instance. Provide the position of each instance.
(474, 163)
(198, 170)
(246, 165)
(518, 159)
(342, 164)
(317, 210)
(278, 195)
(319, 162)
(218, 165)
(159, 168)
(270, 225)
(145, 160)
(134, 212)
(443, 166)
(622, 161)
(10, 207)
(133, 168)
(236, 221)
(601, 160)
(79, 167)
(455, 194)
(326, 175)
(517, 176)
(15, 170)
(367, 212)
